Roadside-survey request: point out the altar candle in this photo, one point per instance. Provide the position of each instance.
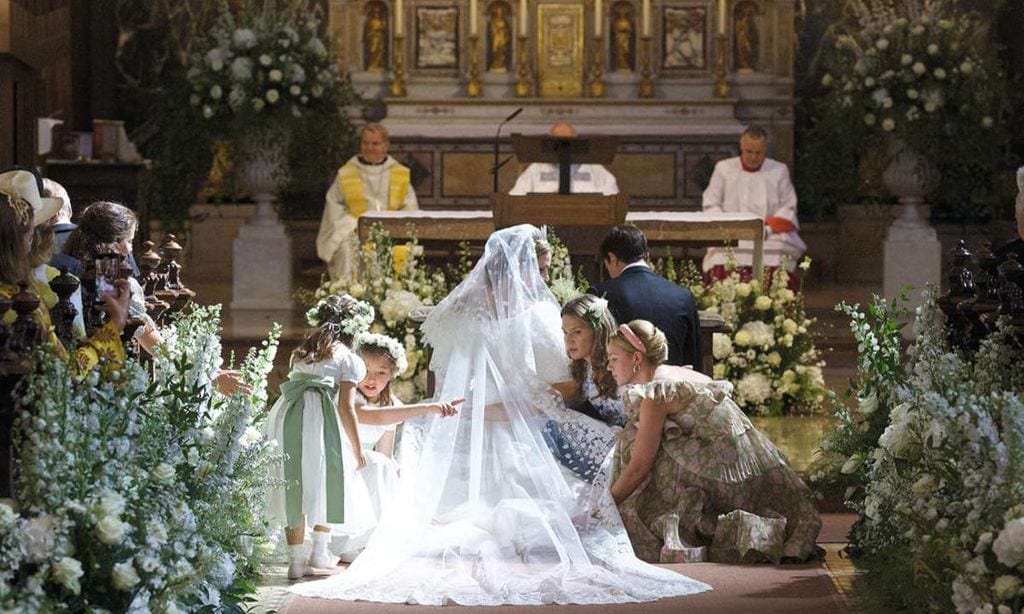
(522, 18)
(399, 28)
(472, 18)
(722, 15)
(598, 17)
(645, 17)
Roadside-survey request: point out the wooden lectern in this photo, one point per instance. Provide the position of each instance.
(564, 208)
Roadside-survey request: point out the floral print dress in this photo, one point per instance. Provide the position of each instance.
(719, 490)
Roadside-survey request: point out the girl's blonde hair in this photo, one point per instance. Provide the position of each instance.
(594, 311)
(331, 314)
(652, 338)
(384, 397)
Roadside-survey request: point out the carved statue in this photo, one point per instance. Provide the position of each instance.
(375, 37)
(745, 36)
(500, 41)
(622, 37)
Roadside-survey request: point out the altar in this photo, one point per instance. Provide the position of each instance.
(658, 226)
(675, 80)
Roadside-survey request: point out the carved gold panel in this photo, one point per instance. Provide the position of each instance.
(560, 54)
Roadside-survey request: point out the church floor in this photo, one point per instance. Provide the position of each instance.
(824, 586)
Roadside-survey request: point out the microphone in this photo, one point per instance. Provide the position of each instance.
(497, 142)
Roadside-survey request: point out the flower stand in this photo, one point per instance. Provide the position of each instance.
(262, 278)
(912, 252)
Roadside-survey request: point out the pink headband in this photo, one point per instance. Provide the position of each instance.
(628, 334)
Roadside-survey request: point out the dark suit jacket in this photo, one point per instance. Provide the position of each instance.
(641, 294)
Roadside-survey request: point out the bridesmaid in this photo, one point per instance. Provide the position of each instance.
(693, 479)
(582, 439)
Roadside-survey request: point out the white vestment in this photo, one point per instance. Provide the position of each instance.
(542, 178)
(767, 192)
(336, 240)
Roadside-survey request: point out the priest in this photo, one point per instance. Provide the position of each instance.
(370, 181)
(754, 183)
(542, 177)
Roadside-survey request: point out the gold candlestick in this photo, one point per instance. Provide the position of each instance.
(524, 84)
(646, 89)
(721, 88)
(474, 89)
(398, 81)
(597, 70)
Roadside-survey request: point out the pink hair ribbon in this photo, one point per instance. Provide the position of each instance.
(628, 334)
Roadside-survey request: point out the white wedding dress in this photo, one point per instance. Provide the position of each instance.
(486, 515)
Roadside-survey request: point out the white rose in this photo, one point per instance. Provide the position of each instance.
(826, 80)
(918, 68)
(867, 405)
(66, 572)
(906, 59)
(743, 289)
(933, 49)
(295, 90)
(939, 73)
(870, 119)
(110, 503)
(1009, 545)
(887, 103)
(163, 473)
(913, 94)
(273, 96)
(258, 104)
(763, 303)
(888, 124)
(1006, 587)
(774, 359)
(275, 75)
(930, 106)
(207, 111)
(882, 44)
(216, 92)
(110, 530)
(966, 67)
(869, 82)
(124, 576)
(266, 60)
(987, 121)
(789, 326)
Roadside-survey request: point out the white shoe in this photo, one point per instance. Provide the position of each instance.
(298, 569)
(323, 560)
(350, 555)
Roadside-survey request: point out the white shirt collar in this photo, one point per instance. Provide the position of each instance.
(633, 264)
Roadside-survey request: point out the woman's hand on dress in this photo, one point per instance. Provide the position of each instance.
(360, 460)
(448, 408)
(115, 304)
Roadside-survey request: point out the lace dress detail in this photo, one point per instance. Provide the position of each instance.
(579, 441)
(719, 489)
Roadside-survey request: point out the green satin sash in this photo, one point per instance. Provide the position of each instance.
(293, 390)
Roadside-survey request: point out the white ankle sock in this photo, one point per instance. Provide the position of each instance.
(320, 556)
(297, 562)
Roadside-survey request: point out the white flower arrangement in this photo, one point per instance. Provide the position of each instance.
(919, 510)
(390, 345)
(272, 66)
(135, 492)
(767, 350)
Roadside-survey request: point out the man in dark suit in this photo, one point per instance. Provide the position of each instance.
(635, 292)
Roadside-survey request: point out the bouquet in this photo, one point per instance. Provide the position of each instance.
(768, 350)
(139, 494)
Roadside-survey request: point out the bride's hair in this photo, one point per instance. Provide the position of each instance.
(331, 313)
(595, 313)
(652, 338)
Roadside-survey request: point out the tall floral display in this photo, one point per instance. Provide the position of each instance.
(139, 493)
(767, 349)
(931, 457)
(914, 77)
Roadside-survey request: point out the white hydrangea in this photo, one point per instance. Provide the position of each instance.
(754, 388)
(721, 346)
(756, 333)
(1009, 545)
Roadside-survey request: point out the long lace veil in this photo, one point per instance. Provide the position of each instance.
(486, 515)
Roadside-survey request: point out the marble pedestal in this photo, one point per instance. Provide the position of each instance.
(262, 253)
(912, 256)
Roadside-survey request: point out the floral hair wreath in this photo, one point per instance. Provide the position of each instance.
(390, 345)
(594, 313)
(359, 322)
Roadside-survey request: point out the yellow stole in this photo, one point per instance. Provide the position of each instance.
(355, 198)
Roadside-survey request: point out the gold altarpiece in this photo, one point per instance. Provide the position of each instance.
(675, 80)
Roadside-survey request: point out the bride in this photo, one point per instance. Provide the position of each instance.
(486, 515)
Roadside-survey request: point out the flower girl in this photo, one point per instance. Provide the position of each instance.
(317, 402)
(378, 411)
